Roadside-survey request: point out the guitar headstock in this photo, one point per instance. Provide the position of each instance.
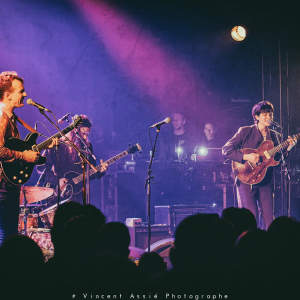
(77, 120)
(134, 148)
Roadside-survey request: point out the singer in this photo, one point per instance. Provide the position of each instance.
(252, 137)
(12, 94)
(69, 159)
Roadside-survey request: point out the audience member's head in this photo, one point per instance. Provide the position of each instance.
(151, 263)
(241, 219)
(114, 238)
(254, 265)
(75, 226)
(21, 261)
(202, 241)
(95, 214)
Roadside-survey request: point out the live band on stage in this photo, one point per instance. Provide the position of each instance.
(193, 174)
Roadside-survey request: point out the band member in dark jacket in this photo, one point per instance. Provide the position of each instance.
(252, 137)
(69, 159)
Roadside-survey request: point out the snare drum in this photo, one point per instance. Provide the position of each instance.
(32, 221)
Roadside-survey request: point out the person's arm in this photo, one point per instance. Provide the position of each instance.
(5, 153)
(231, 148)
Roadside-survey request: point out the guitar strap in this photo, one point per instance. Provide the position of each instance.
(27, 126)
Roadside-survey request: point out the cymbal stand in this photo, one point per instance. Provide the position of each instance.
(287, 175)
(86, 183)
(25, 210)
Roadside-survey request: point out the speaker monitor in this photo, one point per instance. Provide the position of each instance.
(172, 215)
(139, 235)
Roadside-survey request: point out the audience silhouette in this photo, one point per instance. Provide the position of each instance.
(211, 256)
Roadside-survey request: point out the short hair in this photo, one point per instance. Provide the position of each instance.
(210, 123)
(6, 79)
(178, 114)
(261, 107)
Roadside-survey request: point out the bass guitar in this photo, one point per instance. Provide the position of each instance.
(18, 172)
(74, 187)
(253, 174)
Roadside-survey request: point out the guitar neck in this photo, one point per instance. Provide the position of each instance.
(109, 162)
(47, 142)
(283, 145)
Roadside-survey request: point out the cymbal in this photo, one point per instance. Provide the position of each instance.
(35, 193)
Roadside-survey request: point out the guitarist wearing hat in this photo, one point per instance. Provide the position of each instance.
(250, 152)
(69, 161)
(12, 94)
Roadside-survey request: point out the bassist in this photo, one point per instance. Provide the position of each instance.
(69, 159)
(252, 137)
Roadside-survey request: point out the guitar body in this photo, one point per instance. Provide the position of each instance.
(19, 172)
(253, 174)
(72, 188)
(75, 186)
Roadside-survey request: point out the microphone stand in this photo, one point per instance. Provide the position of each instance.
(148, 186)
(84, 160)
(284, 167)
(89, 152)
(25, 202)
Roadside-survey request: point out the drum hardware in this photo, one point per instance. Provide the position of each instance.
(24, 201)
(32, 205)
(31, 221)
(29, 195)
(47, 215)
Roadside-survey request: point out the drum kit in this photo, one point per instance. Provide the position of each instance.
(31, 200)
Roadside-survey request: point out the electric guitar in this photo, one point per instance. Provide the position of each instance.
(18, 172)
(74, 187)
(253, 174)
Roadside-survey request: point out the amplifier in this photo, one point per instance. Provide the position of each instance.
(139, 235)
(172, 215)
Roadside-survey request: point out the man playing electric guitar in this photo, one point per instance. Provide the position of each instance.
(251, 137)
(12, 94)
(69, 160)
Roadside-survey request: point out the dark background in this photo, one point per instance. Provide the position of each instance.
(130, 64)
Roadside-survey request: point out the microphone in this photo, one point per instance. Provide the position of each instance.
(273, 123)
(39, 106)
(64, 118)
(165, 121)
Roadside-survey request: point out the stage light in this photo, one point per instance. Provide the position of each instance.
(202, 151)
(179, 150)
(238, 33)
